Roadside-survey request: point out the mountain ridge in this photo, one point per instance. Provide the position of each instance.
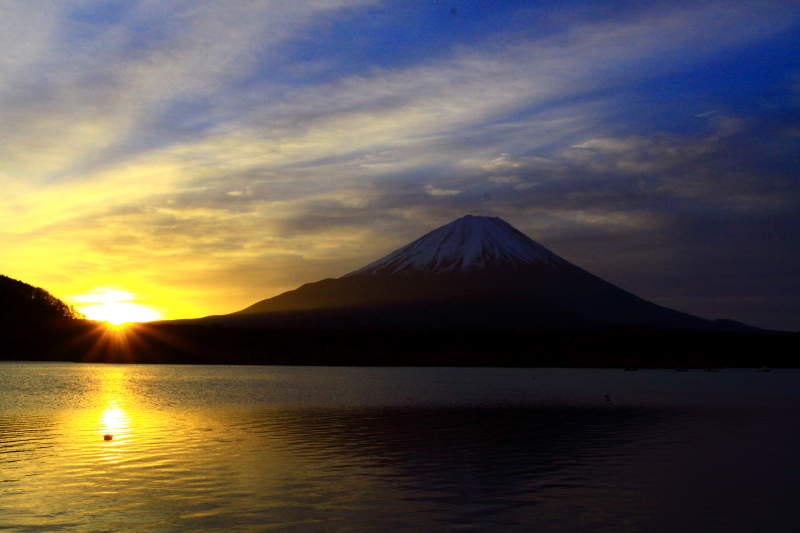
(480, 269)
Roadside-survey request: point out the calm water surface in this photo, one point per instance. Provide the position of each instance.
(211, 448)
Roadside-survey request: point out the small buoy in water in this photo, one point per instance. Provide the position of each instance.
(108, 436)
(607, 398)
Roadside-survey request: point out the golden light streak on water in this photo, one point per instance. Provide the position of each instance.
(114, 420)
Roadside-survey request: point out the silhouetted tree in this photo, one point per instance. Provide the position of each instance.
(20, 302)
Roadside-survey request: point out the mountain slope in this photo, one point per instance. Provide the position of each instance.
(472, 272)
(21, 302)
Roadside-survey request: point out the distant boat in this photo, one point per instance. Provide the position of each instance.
(680, 369)
(764, 369)
(711, 370)
(631, 369)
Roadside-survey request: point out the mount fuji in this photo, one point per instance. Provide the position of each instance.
(473, 273)
(467, 245)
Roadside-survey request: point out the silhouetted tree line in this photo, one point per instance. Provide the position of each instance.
(85, 341)
(35, 325)
(20, 302)
(614, 347)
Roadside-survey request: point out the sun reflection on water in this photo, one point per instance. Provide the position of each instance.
(114, 420)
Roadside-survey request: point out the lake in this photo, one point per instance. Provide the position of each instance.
(217, 448)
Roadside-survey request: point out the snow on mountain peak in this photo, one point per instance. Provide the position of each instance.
(468, 244)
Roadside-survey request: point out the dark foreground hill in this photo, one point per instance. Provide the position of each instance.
(29, 319)
(23, 303)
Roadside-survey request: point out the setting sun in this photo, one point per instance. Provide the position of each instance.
(120, 313)
(114, 306)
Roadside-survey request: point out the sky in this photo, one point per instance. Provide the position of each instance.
(200, 156)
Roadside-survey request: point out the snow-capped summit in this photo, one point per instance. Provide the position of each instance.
(469, 244)
(473, 273)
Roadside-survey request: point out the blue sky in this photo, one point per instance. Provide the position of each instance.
(206, 155)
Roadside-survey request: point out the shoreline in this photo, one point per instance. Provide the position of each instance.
(618, 347)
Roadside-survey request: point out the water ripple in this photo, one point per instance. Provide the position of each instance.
(257, 449)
